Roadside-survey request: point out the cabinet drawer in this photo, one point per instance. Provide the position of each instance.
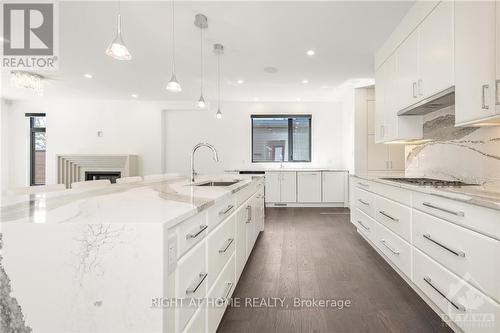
(221, 244)
(220, 211)
(394, 248)
(364, 201)
(361, 183)
(364, 224)
(454, 296)
(190, 283)
(219, 296)
(246, 192)
(394, 216)
(480, 219)
(190, 232)
(464, 252)
(198, 323)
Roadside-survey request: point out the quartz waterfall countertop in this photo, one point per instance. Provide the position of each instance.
(475, 195)
(166, 202)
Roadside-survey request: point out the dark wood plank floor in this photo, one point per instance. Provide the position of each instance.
(306, 254)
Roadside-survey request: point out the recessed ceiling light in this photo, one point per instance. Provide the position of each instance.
(240, 81)
(88, 76)
(256, 99)
(310, 52)
(134, 95)
(298, 99)
(305, 81)
(270, 70)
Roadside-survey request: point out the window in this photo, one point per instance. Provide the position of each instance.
(37, 148)
(281, 138)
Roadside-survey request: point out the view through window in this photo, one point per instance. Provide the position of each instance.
(37, 148)
(281, 138)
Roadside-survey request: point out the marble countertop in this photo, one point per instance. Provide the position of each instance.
(166, 202)
(475, 195)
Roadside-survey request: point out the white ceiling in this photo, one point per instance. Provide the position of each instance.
(255, 35)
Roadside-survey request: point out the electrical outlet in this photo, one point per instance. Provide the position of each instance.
(172, 253)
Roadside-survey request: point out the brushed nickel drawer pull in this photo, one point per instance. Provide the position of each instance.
(484, 88)
(201, 277)
(458, 253)
(363, 225)
(249, 214)
(227, 245)
(457, 213)
(388, 216)
(223, 212)
(459, 307)
(414, 86)
(229, 288)
(363, 184)
(364, 202)
(202, 228)
(497, 83)
(383, 241)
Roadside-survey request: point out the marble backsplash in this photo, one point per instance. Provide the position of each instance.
(469, 154)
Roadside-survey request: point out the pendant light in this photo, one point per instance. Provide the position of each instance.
(201, 22)
(117, 48)
(219, 51)
(173, 85)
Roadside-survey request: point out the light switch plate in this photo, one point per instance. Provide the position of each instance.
(172, 253)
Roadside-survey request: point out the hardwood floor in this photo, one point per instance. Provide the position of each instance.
(306, 254)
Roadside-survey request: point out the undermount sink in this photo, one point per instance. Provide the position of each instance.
(217, 183)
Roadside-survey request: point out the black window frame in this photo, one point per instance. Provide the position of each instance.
(34, 130)
(290, 135)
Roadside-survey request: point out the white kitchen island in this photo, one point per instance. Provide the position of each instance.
(124, 257)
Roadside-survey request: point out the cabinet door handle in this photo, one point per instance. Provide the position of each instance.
(224, 211)
(484, 88)
(388, 216)
(196, 234)
(362, 224)
(384, 242)
(457, 213)
(382, 131)
(419, 87)
(249, 214)
(497, 101)
(457, 306)
(227, 245)
(364, 185)
(458, 253)
(364, 202)
(229, 288)
(414, 89)
(201, 277)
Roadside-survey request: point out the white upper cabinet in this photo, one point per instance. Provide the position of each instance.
(407, 72)
(475, 62)
(497, 57)
(436, 51)
(386, 122)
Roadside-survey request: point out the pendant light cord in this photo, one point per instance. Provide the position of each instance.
(218, 81)
(201, 60)
(173, 37)
(119, 17)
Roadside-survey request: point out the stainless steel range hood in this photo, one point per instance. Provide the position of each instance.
(433, 103)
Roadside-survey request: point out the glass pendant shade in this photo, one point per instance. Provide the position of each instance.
(117, 48)
(201, 102)
(173, 85)
(218, 115)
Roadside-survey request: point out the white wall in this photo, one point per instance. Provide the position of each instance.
(142, 128)
(129, 127)
(232, 136)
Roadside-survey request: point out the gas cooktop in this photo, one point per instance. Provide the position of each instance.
(430, 182)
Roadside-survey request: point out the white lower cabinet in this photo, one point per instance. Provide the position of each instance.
(469, 308)
(449, 250)
(220, 295)
(309, 186)
(333, 186)
(213, 250)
